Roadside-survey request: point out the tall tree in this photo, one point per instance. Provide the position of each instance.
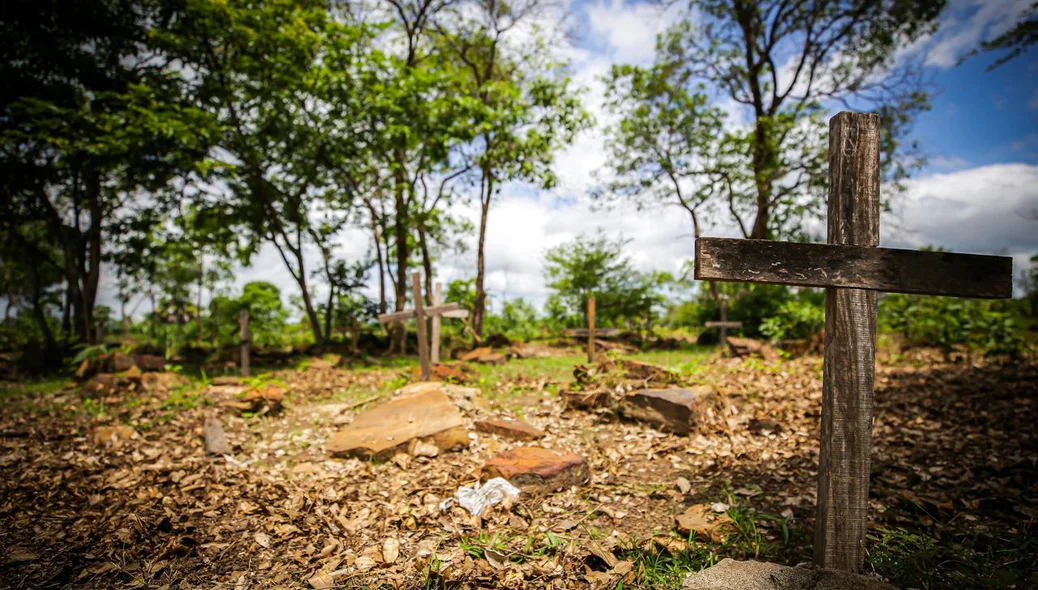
(529, 109)
(89, 126)
(781, 63)
(281, 77)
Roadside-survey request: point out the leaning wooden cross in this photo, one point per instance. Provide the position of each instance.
(853, 270)
(420, 313)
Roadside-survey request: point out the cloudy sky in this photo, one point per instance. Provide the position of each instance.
(981, 137)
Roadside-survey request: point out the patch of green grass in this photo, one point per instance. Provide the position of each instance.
(916, 560)
(36, 388)
(675, 359)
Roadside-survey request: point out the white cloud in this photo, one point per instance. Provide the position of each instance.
(979, 210)
(965, 23)
(629, 29)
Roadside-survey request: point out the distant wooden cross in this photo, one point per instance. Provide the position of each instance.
(724, 324)
(853, 270)
(590, 331)
(421, 314)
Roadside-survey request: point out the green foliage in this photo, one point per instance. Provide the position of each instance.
(796, 318)
(912, 560)
(267, 315)
(749, 303)
(670, 144)
(518, 320)
(597, 266)
(988, 327)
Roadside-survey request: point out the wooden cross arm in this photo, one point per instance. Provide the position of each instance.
(723, 324)
(579, 332)
(855, 267)
(446, 310)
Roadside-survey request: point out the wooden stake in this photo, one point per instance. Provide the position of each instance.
(243, 325)
(420, 319)
(437, 299)
(724, 318)
(850, 350)
(591, 329)
(355, 337)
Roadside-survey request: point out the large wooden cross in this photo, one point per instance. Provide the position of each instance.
(421, 314)
(853, 270)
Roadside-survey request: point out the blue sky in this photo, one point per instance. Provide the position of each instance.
(981, 137)
(982, 117)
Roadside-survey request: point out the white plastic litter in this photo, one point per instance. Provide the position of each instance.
(478, 498)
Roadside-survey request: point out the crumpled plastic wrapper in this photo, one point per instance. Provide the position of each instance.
(478, 498)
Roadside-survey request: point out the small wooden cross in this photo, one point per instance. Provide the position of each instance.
(421, 314)
(591, 332)
(853, 270)
(724, 324)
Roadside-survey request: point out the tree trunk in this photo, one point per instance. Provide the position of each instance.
(198, 308)
(329, 310)
(41, 317)
(402, 219)
(480, 304)
(382, 307)
(763, 167)
(423, 245)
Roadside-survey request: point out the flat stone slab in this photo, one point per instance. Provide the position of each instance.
(729, 574)
(428, 416)
(508, 428)
(672, 410)
(534, 469)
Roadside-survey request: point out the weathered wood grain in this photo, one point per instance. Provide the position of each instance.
(450, 310)
(434, 352)
(583, 332)
(854, 266)
(849, 368)
(591, 329)
(722, 324)
(420, 316)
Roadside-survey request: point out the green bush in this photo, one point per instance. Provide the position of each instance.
(987, 327)
(796, 318)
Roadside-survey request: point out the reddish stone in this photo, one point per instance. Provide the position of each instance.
(508, 428)
(674, 410)
(534, 469)
(586, 400)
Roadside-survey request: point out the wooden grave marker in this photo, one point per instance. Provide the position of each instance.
(853, 269)
(243, 326)
(590, 332)
(421, 314)
(437, 320)
(724, 324)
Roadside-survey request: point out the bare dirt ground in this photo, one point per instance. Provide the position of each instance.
(954, 493)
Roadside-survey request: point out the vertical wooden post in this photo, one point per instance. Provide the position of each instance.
(591, 329)
(850, 348)
(355, 337)
(435, 351)
(243, 325)
(419, 316)
(724, 318)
